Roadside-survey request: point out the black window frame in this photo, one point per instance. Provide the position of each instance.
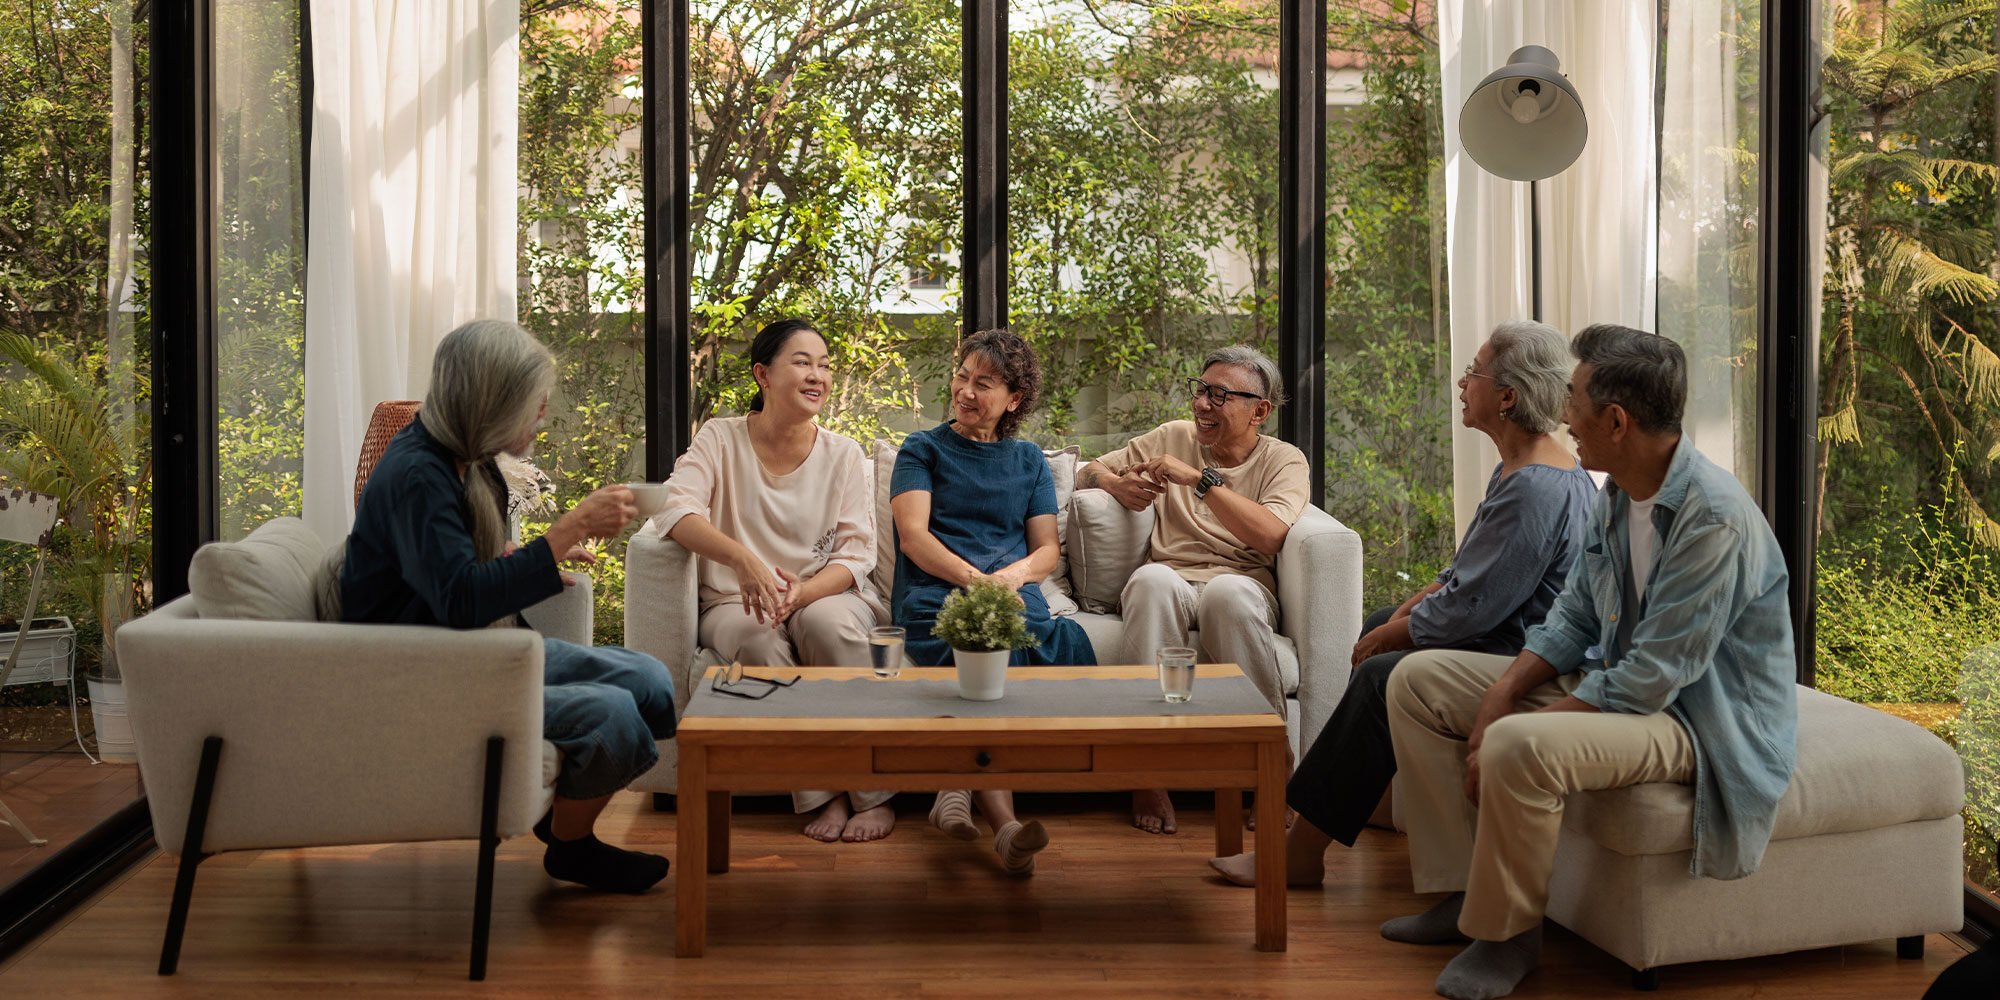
(183, 286)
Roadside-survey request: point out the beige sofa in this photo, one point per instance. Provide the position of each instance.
(1868, 845)
(1319, 593)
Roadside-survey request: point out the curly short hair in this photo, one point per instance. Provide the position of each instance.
(1009, 354)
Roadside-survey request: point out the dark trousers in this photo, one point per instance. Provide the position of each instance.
(1348, 768)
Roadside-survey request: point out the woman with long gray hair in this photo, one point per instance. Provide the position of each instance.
(430, 547)
(1509, 568)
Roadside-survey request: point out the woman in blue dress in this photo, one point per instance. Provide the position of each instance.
(971, 500)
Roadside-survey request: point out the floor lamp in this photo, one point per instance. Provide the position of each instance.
(1525, 122)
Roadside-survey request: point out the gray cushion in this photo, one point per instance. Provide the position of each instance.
(270, 576)
(1107, 545)
(1858, 769)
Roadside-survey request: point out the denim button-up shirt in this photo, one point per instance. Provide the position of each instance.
(1712, 646)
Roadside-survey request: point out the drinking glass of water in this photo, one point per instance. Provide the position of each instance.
(885, 646)
(1177, 674)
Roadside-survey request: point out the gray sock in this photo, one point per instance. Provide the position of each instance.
(1437, 925)
(1491, 969)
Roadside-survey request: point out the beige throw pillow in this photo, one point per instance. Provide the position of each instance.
(1107, 544)
(270, 576)
(1062, 468)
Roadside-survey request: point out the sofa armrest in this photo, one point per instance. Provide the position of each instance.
(332, 733)
(568, 616)
(1319, 597)
(662, 607)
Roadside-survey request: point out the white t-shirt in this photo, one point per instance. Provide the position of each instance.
(1645, 542)
(819, 513)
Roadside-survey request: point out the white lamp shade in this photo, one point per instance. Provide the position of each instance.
(1524, 121)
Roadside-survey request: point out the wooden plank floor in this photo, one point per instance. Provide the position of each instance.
(60, 795)
(1112, 912)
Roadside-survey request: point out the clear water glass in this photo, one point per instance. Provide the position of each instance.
(1177, 674)
(885, 649)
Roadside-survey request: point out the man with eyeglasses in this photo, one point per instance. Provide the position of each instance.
(1223, 497)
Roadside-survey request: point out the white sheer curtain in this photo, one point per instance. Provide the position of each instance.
(412, 212)
(1599, 258)
(1708, 220)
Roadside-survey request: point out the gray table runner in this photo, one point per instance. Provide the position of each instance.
(1027, 697)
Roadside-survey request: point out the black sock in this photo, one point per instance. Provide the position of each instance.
(545, 828)
(591, 862)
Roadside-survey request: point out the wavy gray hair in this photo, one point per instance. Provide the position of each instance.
(488, 380)
(1533, 360)
(1251, 360)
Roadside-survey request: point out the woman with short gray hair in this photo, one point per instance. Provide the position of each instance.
(1504, 578)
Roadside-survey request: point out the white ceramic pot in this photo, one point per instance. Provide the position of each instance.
(114, 728)
(981, 676)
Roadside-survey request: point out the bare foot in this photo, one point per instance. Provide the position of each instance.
(869, 824)
(1153, 812)
(1241, 869)
(827, 825)
(1250, 818)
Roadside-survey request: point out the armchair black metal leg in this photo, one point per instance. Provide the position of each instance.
(489, 840)
(1646, 979)
(191, 855)
(1910, 947)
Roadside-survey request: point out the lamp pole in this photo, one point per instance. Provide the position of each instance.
(1535, 246)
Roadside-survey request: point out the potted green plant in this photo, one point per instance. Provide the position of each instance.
(984, 624)
(74, 427)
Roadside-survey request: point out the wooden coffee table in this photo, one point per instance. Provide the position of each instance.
(720, 755)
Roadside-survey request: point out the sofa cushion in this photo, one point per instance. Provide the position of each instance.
(1858, 769)
(1055, 589)
(1108, 545)
(1107, 639)
(270, 576)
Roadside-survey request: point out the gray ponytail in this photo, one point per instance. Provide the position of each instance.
(488, 380)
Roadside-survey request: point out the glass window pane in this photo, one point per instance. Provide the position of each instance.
(260, 264)
(1142, 200)
(1908, 583)
(825, 178)
(74, 408)
(1390, 405)
(582, 261)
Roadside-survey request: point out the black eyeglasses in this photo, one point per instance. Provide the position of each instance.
(731, 680)
(1217, 395)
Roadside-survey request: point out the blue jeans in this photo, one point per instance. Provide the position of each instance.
(604, 708)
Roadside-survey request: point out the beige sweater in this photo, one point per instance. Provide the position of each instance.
(817, 514)
(1187, 536)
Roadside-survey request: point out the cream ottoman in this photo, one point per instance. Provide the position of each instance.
(1868, 845)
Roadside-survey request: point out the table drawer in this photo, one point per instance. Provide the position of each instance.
(979, 760)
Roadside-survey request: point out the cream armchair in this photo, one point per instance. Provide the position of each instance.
(259, 727)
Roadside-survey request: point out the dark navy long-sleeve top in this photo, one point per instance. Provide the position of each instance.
(410, 557)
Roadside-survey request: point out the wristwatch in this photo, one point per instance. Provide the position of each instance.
(1209, 480)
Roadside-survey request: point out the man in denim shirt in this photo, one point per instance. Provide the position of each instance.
(1668, 657)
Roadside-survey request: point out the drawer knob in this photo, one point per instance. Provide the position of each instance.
(984, 759)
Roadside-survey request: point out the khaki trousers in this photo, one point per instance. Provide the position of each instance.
(1500, 853)
(1236, 616)
(829, 632)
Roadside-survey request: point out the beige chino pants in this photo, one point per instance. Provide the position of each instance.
(1501, 853)
(1236, 616)
(829, 632)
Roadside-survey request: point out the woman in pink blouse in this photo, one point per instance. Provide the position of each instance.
(780, 510)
